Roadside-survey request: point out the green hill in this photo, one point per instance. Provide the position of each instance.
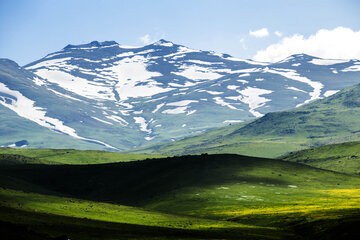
(256, 193)
(66, 156)
(343, 157)
(331, 120)
(36, 216)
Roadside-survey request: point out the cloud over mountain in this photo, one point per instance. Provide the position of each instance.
(338, 43)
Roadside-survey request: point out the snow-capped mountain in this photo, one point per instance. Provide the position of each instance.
(122, 97)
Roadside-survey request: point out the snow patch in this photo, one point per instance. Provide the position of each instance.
(177, 110)
(242, 81)
(203, 63)
(330, 92)
(220, 101)
(158, 107)
(232, 121)
(245, 75)
(26, 108)
(249, 61)
(296, 89)
(134, 80)
(100, 120)
(66, 96)
(118, 120)
(182, 103)
(292, 74)
(181, 52)
(143, 125)
(190, 112)
(39, 81)
(196, 73)
(60, 62)
(251, 96)
(76, 85)
(354, 68)
(319, 61)
(212, 92)
(232, 87)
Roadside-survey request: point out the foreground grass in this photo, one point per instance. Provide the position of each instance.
(229, 195)
(105, 211)
(20, 208)
(72, 156)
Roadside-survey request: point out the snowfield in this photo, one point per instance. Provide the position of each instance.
(26, 108)
(143, 90)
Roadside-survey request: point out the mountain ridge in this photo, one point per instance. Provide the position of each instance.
(330, 120)
(163, 91)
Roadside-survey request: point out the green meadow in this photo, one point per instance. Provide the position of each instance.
(221, 196)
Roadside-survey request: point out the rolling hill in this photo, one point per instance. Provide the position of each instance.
(330, 120)
(343, 157)
(205, 196)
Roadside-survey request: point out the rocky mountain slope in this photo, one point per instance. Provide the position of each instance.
(334, 119)
(119, 97)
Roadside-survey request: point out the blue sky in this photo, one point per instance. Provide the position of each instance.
(31, 29)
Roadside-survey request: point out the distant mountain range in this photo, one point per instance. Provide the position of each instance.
(334, 119)
(104, 95)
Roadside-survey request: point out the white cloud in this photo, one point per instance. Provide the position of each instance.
(146, 39)
(338, 43)
(242, 41)
(263, 32)
(278, 33)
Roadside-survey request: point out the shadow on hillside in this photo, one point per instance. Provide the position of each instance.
(134, 182)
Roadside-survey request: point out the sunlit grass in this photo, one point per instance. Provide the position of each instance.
(105, 211)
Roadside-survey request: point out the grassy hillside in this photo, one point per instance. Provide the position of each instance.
(66, 156)
(284, 196)
(331, 120)
(51, 216)
(343, 157)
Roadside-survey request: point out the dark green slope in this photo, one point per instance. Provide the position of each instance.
(331, 120)
(343, 157)
(134, 182)
(142, 182)
(233, 189)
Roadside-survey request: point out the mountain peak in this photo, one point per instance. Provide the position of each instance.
(9, 62)
(297, 57)
(93, 44)
(163, 42)
(302, 56)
